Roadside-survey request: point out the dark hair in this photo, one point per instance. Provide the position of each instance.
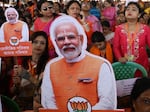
(70, 3)
(105, 23)
(2, 17)
(30, 3)
(97, 37)
(110, 2)
(140, 86)
(136, 4)
(60, 6)
(39, 4)
(43, 58)
(93, 3)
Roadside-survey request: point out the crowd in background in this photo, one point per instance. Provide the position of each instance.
(100, 21)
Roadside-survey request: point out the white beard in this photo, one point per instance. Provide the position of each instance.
(72, 54)
(12, 21)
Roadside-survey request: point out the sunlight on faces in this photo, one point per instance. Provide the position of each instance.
(68, 40)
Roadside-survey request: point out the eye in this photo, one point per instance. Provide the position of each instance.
(42, 43)
(35, 42)
(50, 7)
(60, 38)
(146, 101)
(128, 9)
(45, 9)
(70, 37)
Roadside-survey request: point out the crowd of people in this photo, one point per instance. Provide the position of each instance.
(73, 47)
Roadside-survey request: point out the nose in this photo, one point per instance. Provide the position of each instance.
(67, 41)
(76, 9)
(38, 44)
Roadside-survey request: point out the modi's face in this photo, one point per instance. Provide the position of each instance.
(68, 40)
(11, 15)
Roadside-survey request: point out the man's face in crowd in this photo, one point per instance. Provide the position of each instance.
(68, 40)
(11, 16)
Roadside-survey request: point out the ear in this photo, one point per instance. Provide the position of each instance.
(40, 11)
(133, 104)
(67, 11)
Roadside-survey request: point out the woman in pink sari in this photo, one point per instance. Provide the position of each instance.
(109, 13)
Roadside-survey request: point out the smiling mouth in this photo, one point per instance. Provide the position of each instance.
(69, 49)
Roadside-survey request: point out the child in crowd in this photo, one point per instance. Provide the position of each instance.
(108, 33)
(101, 47)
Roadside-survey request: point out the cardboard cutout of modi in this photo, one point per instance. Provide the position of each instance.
(68, 80)
(14, 35)
(75, 100)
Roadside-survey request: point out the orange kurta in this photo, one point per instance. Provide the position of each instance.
(15, 30)
(65, 78)
(109, 54)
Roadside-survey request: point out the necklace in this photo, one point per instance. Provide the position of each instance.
(131, 37)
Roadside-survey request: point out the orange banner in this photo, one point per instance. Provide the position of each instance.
(21, 49)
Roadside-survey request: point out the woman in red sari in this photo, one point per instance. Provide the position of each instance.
(131, 38)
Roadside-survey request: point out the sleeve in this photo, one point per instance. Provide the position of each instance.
(36, 24)
(2, 34)
(25, 33)
(109, 52)
(106, 89)
(47, 94)
(116, 43)
(148, 36)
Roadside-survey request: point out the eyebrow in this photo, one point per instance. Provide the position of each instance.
(69, 33)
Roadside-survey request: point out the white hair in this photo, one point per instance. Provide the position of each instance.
(67, 19)
(11, 9)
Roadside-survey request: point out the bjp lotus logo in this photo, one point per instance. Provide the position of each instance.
(79, 104)
(14, 41)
